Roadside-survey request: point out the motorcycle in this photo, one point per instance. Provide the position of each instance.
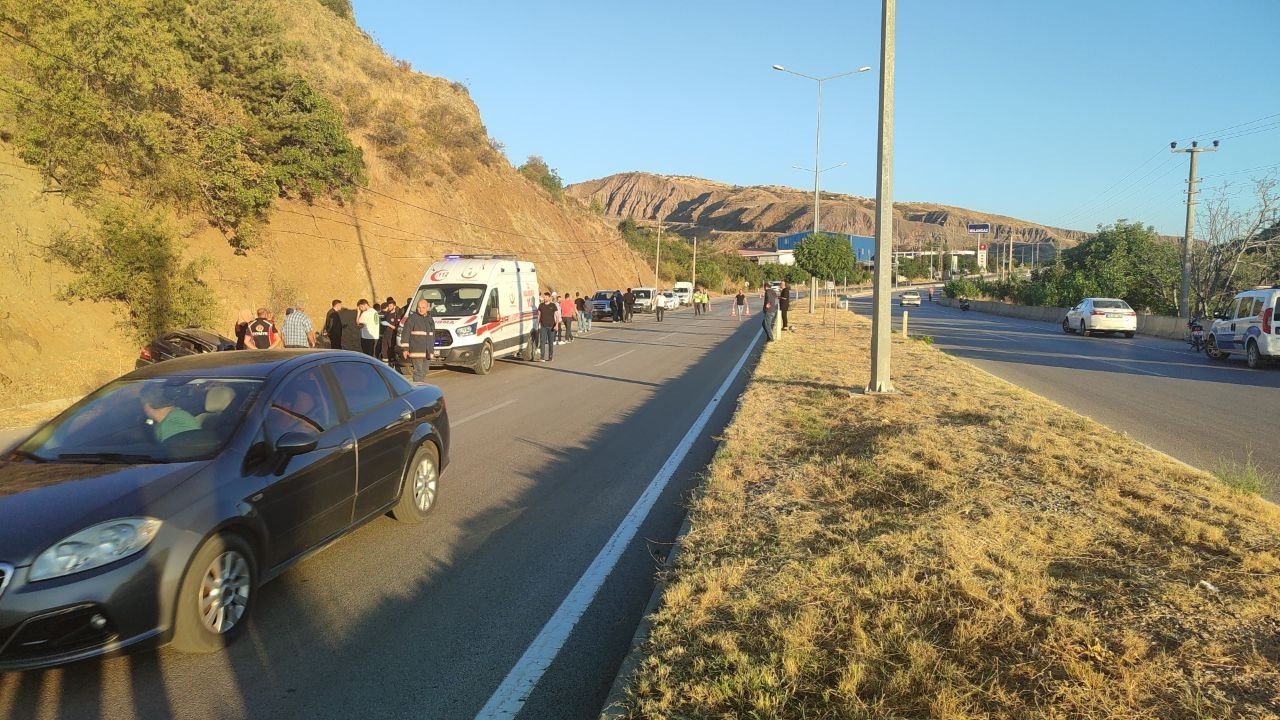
(1195, 334)
(964, 304)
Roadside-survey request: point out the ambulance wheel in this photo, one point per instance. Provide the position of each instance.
(484, 363)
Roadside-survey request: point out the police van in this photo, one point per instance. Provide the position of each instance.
(1249, 325)
(483, 307)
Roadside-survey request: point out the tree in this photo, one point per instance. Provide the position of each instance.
(826, 256)
(1241, 248)
(544, 176)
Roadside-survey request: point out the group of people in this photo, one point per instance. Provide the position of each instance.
(775, 301)
(701, 300)
(555, 319)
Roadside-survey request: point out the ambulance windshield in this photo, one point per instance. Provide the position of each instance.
(451, 300)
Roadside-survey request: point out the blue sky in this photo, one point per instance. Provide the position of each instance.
(1055, 112)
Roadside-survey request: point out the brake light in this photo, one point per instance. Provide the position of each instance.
(1266, 320)
(1096, 312)
(146, 353)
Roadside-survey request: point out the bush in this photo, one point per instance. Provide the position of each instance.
(133, 259)
(961, 288)
(545, 177)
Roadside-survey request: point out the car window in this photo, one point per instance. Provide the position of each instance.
(362, 386)
(302, 404)
(1244, 307)
(1110, 304)
(397, 382)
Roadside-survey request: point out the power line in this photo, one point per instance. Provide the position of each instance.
(1072, 214)
(1220, 131)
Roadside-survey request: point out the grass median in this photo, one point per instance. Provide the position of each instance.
(959, 549)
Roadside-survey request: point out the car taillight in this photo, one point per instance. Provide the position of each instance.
(1266, 320)
(1096, 312)
(146, 353)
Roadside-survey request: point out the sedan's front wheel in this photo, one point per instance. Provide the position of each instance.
(216, 595)
(421, 483)
(1066, 326)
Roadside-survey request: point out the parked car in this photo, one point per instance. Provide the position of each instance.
(668, 300)
(910, 297)
(599, 304)
(1250, 325)
(684, 291)
(153, 509)
(1094, 315)
(645, 299)
(180, 343)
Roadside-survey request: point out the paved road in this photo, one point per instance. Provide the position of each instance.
(425, 622)
(1195, 409)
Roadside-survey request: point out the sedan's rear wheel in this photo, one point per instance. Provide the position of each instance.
(1084, 329)
(421, 484)
(216, 595)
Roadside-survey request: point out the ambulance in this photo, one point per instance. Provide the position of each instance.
(483, 307)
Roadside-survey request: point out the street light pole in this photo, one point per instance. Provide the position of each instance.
(881, 317)
(657, 258)
(817, 139)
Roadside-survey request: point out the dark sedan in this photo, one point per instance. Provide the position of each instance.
(153, 509)
(180, 343)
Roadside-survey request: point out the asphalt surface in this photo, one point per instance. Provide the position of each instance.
(1198, 410)
(426, 621)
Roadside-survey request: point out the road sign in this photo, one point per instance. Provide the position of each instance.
(983, 246)
(979, 227)
(831, 285)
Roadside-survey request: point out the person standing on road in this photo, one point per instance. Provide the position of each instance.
(368, 321)
(580, 306)
(615, 305)
(547, 312)
(659, 305)
(697, 301)
(568, 316)
(242, 329)
(417, 339)
(628, 305)
(333, 325)
(388, 321)
(740, 305)
(784, 303)
(297, 329)
(770, 310)
(261, 333)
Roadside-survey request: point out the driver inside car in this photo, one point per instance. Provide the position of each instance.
(165, 417)
(292, 412)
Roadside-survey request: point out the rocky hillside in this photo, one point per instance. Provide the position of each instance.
(754, 216)
(433, 183)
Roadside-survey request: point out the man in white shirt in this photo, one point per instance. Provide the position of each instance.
(368, 320)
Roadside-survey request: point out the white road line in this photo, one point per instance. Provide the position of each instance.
(475, 415)
(510, 696)
(664, 337)
(615, 357)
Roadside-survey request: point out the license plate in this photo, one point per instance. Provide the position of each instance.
(1113, 315)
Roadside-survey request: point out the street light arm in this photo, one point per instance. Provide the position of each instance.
(798, 74)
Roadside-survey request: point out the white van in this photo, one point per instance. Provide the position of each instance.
(483, 307)
(684, 291)
(1249, 325)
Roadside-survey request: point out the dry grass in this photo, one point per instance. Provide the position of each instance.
(947, 552)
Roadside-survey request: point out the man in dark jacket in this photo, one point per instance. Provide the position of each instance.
(333, 325)
(628, 305)
(770, 310)
(615, 304)
(418, 339)
(784, 302)
(350, 330)
(547, 327)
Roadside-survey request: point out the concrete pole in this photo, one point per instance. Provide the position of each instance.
(695, 261)
(813, 295)
(905, 317)
(882, 314)
(1184, 293)
(817, 143)
(657, 258)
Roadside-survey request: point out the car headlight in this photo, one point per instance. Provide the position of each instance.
(94, 547)
(466, 330)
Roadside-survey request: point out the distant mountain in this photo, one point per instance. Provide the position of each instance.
(754, 216)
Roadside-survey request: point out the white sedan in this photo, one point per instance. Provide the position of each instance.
(1095, 315)
(910, 297)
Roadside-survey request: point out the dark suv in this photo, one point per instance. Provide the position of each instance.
(600, 304)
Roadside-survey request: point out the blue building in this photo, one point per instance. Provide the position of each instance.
(864, 248)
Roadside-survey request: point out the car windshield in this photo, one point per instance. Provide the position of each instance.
(602, 295)
(451, 300)
(1111, 304)
(642, 294)
(160, 420)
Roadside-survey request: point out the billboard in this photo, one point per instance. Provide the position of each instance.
(864, 248)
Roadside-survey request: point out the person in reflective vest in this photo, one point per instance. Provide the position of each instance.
(418, 339)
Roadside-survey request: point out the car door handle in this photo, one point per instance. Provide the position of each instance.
(406, 415)
(349, 445)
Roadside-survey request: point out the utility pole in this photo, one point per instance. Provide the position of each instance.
(1184, 294)
(882, 311)
(657, 257)
(694, 281)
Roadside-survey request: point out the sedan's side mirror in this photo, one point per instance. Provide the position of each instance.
(296, 443)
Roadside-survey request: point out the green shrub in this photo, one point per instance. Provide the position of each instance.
(133, 258)
(960, 288)
(545, 177)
